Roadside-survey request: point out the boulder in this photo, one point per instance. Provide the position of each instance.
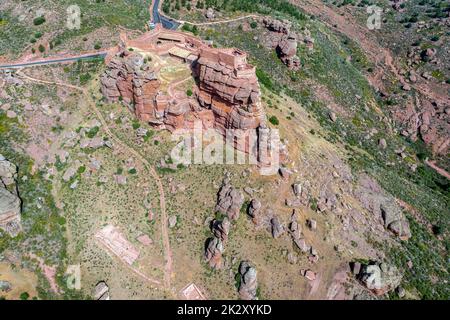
(277, 227)
(172, 221)
(229, 201)
(297, 189)
(210, 13)
(285, 173)
(308, 274)
(254, 209)
(8, 172)
(248, 284)
(395, 221)
(213, 252)
(5, 286)
(380, 278)
(302, 245)
(221, 229)
(312, 224)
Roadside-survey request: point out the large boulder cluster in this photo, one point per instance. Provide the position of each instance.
(215, 245)
(10, 203)
(284, 41)
(229, 200)
(229, 203)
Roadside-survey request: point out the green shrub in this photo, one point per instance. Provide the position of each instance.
(39, 20)
(274, 120)
(24, 296)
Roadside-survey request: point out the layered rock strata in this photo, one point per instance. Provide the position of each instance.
(227, 96)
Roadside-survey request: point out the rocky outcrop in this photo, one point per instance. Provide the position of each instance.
(229, 201)
(248, 281)
(383, 206)
(283, 41)
(427, 120)
(213, 252)
(229, 87)
(8, 172)
(254, 210)
(221, 229)
(228, 95)
(129, 77)
(10, 203)
(379, 278)
(287, 51)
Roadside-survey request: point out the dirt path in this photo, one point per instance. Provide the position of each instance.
(147, 165)
(442, 172)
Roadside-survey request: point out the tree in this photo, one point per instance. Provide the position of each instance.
(41, 48)
(24, 296)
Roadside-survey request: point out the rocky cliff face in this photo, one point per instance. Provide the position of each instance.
(228, 95)
(130, 78)
(234, 98)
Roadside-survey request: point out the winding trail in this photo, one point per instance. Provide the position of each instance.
(147, 165)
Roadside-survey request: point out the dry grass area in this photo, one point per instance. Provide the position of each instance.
(22, 279)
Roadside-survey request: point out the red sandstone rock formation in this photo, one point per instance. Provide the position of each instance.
(228, 95)
(229, 87)
(131, 79)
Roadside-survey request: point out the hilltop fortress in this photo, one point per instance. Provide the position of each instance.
(226, 94)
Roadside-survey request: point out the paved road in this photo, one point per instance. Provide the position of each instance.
(51, 61)
(158, 18)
